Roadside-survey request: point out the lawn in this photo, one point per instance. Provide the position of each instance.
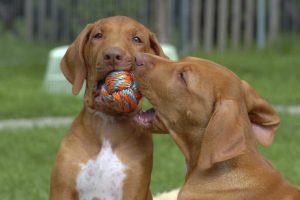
(22, 70)
(27, 157)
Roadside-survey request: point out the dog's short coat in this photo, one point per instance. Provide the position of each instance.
(105, 155)
(216, 119)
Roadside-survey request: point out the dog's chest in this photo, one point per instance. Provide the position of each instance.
(102, 178)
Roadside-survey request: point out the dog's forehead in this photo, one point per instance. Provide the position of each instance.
(211, 70)
(212, 79)
(124, 24)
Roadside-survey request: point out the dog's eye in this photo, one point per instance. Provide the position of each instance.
(182, 77)
(136, 39)
(98, 36)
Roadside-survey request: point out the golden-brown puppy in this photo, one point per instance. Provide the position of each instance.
(105, 155)
(216, 120)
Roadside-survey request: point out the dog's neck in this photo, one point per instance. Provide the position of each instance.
(236, 177)
(101, 125)
(247, 172)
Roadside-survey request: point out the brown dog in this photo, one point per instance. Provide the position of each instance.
(105, 155)
(215, 119)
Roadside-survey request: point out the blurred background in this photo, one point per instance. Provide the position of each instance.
(191, 25)
(257, 39)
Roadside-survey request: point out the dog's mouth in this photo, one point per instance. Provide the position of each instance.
(96, 92)
(144, 118)
(102, 72)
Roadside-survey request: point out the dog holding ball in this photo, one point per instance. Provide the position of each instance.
(107, 152)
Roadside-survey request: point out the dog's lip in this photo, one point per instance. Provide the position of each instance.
(104, 74)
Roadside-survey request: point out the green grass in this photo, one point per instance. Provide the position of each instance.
(274, 72)
(26, 160)
(27, 157)
(22, 70)
(169, 165)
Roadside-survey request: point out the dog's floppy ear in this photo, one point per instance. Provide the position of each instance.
(263, 118)
(155, 47)
(73, 64)
(224, 136)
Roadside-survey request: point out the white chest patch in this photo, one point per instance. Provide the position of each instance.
(102, 178)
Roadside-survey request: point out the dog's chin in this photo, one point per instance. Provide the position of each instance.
(143, 118)
(101, 106)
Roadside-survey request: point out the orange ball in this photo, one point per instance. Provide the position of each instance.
(119, 92)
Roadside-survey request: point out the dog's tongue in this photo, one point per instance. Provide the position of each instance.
(145, 118)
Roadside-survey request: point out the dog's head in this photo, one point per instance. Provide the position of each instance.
(107, 45)
(212, 114)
